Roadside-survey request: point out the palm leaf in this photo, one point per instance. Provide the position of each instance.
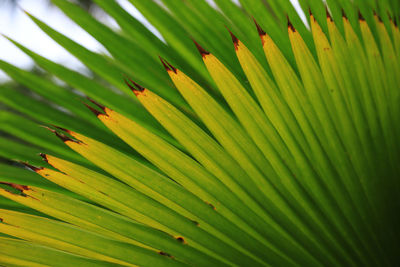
(279, 149)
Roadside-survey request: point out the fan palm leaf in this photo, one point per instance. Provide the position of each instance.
(274, 144)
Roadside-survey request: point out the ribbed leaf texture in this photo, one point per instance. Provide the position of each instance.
(276, 145)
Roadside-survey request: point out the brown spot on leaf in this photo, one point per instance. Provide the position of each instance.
(211, 205)
(30, 197)
(165, 254)
(101, 192)
(181, 240)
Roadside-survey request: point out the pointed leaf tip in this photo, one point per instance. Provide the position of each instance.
(311, 14)
(93, 110)
(102, 107)
(63, 137)
(392, 19)
(164, 63)
(60, 128)
(377, 16)
(47, 128)
(360, 16)
(135, 87)
(344, 14)
(389, 16)
(328, 14)
(202, 51)
(19, 187)
(167, 65)
(29, 166)
(260, 31)
(23, 10)
(235, 40)
(290, 25)
(44, 156)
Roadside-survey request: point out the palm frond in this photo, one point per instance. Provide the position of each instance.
(276, 145)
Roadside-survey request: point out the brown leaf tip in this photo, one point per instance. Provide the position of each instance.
(392, 19)
(311, 14)
(328, 15)
(202, 51)
(164, 64)
(377, 16)
(389, 16)
(360, 16)
(290, 25)
(62, 136)
(44, 156)
(59, 128)
(93, 110)
(65, 138)
(344, 14)
(167, 65)
(260, 31)
(102, 107)
(19, 187)
(31, 167)
(235, 40)
(135, 87)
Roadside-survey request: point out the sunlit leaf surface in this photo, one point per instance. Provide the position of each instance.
(265, 142)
